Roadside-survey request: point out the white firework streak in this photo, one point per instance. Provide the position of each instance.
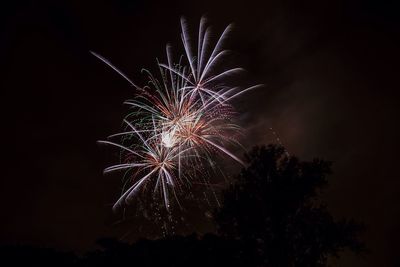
(179, 120)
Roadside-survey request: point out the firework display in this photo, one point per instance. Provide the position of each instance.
(180, 121)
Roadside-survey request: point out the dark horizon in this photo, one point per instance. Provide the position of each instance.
(331, 92)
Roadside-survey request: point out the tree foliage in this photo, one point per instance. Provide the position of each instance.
(276, 201)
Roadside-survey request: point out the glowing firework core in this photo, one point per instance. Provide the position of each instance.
(169, 138)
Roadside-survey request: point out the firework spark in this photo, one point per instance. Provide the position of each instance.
(180, 120)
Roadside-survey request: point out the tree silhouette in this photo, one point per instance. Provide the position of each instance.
(272, 216)
(276, 202)
(208, 250)
(18, 255)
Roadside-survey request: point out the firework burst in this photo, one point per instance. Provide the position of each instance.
(179, 121)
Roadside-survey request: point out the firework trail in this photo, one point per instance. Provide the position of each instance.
(179, 121)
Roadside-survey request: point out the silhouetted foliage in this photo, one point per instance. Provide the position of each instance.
(35, 256)
(276, 202)
(272, 216)
(210, 250)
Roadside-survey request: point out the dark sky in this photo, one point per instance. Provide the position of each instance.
(331, 70)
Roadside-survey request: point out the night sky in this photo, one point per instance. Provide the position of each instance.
(332, 91)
